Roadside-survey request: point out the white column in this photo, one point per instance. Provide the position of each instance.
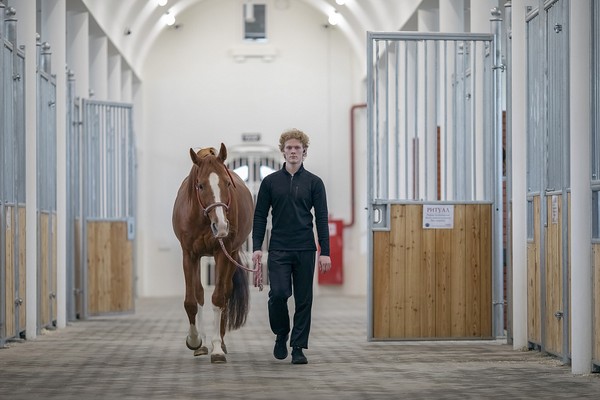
(114, 76)
(141, 207)
(99, 67)
(54, 25)
(78, 59)
(480, 15)
(26, 35)
(581, 207)
(519, 167)
(126, 85)
(452, 18)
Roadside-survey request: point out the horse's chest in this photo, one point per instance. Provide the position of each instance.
(204, 245)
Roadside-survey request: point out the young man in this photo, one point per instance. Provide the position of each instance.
(291, 193)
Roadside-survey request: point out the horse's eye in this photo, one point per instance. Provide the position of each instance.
(228, 184)
(200, 186)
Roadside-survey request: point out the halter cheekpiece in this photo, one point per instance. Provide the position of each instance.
(206, 209)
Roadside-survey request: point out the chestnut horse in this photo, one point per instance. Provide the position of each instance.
(212, 216)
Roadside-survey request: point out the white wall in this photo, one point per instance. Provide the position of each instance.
(197, 95)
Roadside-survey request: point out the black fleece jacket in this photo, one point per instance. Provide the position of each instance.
(291, 199)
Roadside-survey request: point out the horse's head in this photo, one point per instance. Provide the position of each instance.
(212, 182)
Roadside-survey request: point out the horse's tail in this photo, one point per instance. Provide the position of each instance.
(239, 302)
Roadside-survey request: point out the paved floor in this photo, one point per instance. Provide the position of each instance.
(143, 356)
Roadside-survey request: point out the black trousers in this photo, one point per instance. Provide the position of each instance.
(291, 272)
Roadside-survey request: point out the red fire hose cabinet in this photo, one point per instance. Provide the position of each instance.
(335, 275)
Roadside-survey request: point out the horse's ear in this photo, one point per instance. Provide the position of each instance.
(193, 156)
(222, 153)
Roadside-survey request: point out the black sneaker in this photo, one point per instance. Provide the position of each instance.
(280, 350)
(298, 356)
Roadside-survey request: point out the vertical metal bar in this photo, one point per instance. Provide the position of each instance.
(498, 267)
(86, 178)
(415, 126)
(377, 186)
(436, 111)
(563, 83)
(446, 127)
(397, 170)
(425, 118)
(473, 105)
(70, 220)
(406, 144)
(455, 172)
(3, 79)
(508, 168)
(386, 138)
(370, 134)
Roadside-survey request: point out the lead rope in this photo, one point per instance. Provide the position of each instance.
(257, 268)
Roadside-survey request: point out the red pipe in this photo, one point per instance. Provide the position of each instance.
(352, 163)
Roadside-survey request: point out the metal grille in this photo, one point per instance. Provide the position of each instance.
(46, 137)
(12, 173)
(434, 123)
(432, 135)
(595, 121)
(557, 100)
(596, 93)
(535, 104)
(74, 217)
(108, 160)
(46, 185)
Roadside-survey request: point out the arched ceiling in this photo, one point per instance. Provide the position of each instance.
(133, 25)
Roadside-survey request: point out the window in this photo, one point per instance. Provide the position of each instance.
(255, 21)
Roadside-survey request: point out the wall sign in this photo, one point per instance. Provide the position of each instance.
(438, 216)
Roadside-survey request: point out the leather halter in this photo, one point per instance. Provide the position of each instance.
(206, 209)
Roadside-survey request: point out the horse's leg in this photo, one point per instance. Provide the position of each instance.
(202, 349)
(223, 285)
(190, 270)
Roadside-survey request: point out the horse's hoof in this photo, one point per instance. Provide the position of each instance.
(218, 358)
(201, 351)
(192, 347)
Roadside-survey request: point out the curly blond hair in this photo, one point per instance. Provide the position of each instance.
(293, 134)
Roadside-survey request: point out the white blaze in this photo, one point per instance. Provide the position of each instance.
(213, 179)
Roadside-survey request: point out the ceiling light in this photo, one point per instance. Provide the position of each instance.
(162, 3)
(334, 18)
(340, 2)
(169, 18)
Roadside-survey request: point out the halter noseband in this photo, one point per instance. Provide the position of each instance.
(206, 209)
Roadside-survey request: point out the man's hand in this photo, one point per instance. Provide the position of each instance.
(257, 257)
(324, 263)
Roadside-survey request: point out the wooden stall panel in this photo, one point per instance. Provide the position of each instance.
(534, 311)
(485, 283)
(596, 305)
(553, 283)
(110, 267)
(413, 285)
(443, 275)
(381, 280)
(9, 262)
(433, 283)
(78, 270)
(459, 278)
(48, 269)
(44, 271)
(397, 276)
(22, 268)
(54, 270)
